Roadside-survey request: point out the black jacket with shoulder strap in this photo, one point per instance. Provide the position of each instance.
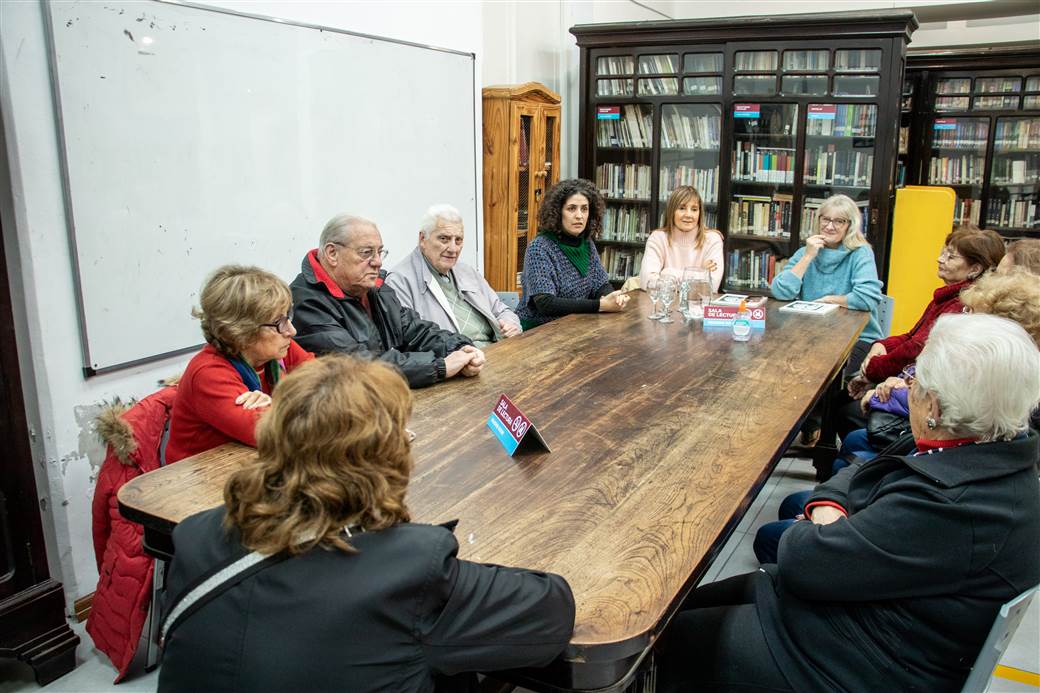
(395, 616)
(327, 320)
(901, 594)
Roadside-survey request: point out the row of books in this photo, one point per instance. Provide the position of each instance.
(966, 169)
(904, 139)
(615, 65)
(966, 134)
(625, 223)
(806, 61)
(966, 211)
(998, 85)
(750, 269)
(1012, 171)
(613, 87)
(621, 263)
(755, 61)
(994, 103)
(633, 129)
(658, 64)
(1019, 211)
(852, 60)
(832, 166)
(811, 216)
(630, 181)
(659, 86)
(953, 85)
(763, 164)
(706, 180)
(850, 120)
(761, 215)
(680, 130)
(1017, 134)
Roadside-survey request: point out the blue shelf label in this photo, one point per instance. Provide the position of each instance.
(822, 111)
(945, 124)
(608, 113)
(746, 110)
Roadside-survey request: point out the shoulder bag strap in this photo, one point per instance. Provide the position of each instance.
(212, 584)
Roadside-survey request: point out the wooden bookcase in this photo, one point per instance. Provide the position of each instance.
(521, 162)
(765, 115)
(974, 123)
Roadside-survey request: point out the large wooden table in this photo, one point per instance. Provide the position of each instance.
(662, 435)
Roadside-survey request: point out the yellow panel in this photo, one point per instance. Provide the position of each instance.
(923, 217)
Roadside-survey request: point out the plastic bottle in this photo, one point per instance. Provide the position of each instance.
(742, 323)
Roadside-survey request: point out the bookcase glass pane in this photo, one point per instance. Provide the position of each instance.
(615, 65)
(953, 85)
(908, 87)
(755, 61)
(856, 86)
(759, 85)
(761, 197)
(1014, 202)
(658, 64)
(804, 84)
(690, 135)
(623, 171)
(958, 153)
(614, 87)
(994, 103)
(839, 157)
(702, 62)
(951, 103)
(998, 85)
(806, 61)
(1031, 103)
(524, 182)
(698, 86)
(659, 86)
(857, 60)
(1033, 83)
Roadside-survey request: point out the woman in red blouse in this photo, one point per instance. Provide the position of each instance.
(246, 316)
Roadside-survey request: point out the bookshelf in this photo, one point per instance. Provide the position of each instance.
(978, 123)
(521, 162)
(765, 118)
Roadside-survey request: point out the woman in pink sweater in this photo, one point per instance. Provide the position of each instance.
(683, 242)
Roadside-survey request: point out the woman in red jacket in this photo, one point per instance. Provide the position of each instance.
(246, 316)
(967, 253)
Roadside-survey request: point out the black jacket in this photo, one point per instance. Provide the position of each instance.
(391, 617)
(901, 594)
(327, 320)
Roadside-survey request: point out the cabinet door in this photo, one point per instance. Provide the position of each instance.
(523, 119)
(545, 164)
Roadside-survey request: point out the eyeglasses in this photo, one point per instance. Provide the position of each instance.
(367, 253)
(837, 223)
(948, 254)
(283, 325)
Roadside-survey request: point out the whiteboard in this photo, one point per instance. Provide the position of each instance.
(194, 137)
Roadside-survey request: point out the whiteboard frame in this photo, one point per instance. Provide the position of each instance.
(70, 218)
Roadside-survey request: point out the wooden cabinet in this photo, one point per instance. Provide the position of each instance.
(33, 627)
(766, 116)
(974, 123)
(521, 162)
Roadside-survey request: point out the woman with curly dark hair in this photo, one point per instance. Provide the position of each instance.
(336, 589)
(562, 270)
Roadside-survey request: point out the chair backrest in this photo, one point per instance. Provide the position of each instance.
(884, 314)
(510, 298)
(1008, 618)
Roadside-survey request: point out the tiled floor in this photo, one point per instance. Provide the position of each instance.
(95, 673)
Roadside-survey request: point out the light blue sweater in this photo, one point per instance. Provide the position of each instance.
(841, 272)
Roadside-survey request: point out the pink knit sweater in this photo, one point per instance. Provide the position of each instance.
(666, 258)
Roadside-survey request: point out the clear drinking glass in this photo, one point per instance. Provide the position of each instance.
(667, 289)
(653, 287)
(700, 291)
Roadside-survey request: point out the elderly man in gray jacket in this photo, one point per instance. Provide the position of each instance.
(432, 282)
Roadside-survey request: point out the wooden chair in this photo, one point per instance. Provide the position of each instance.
(1005, 625)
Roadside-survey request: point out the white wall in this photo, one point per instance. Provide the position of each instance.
(61, 402)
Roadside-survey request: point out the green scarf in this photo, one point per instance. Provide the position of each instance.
(577, 254)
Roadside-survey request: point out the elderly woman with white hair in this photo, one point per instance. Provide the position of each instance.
(903, 562)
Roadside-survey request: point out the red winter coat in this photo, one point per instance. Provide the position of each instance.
(124, 588)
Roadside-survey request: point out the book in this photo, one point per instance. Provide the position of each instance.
(809, 308)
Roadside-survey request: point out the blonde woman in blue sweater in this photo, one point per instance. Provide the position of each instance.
(836, 265)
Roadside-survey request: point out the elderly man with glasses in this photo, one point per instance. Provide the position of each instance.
(342, 305)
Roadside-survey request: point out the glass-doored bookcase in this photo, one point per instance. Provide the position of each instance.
(977, 123)
(765, 116)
